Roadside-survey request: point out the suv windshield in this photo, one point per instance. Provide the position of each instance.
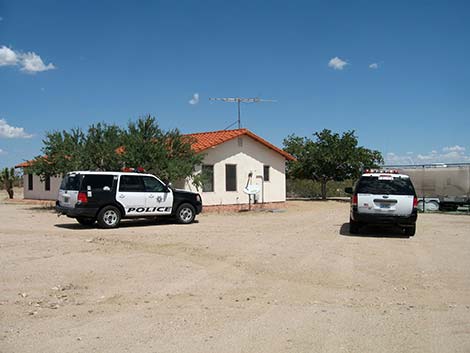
(395, 186)
(70, 182)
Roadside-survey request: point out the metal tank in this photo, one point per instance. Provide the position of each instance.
(440, 186)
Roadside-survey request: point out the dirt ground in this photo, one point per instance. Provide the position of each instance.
(293, 281)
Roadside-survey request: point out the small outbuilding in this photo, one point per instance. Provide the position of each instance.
(233, 160)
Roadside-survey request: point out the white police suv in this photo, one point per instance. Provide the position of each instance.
(107, 197)
(383, 197)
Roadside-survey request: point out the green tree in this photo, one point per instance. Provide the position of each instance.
(63, 151)
(329, 156)
(99, 149)
(167, 154)
(7, 178)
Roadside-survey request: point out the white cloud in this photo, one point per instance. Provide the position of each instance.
(452, 154)
(337, 64)
(392, 158)
(455, 148)
(3, 151)
(32, 63)
(9, 131)
(29, 62)
(374, 66)
(195, 99)
(7, 56)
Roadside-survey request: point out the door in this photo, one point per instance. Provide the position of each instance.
(385, 194)
(132, 195)
(68, 191)
(159, 199)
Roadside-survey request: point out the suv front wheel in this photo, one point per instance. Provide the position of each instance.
(185, 213)
(109, 217)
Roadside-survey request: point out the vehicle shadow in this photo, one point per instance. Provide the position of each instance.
(372, 231)
(126, 223)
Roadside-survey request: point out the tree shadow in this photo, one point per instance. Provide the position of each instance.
(125, 223)
(373, 231)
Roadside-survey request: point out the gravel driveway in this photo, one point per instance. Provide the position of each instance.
(293, 281)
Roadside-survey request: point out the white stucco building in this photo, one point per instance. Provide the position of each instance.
(36, 189)
(230, 157)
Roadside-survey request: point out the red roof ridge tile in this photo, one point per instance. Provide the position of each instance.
(216, 131)
(206, 140)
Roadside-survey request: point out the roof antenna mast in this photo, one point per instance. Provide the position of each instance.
(238, 100)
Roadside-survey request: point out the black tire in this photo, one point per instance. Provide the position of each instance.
(85, 221)
(109, 217)
(410, 231)
(353, 226)
(185, 213)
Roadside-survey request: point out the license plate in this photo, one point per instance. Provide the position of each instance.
(66, 199)
(384, 205)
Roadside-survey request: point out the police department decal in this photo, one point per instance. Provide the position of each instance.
(149, 209)
(159, 199)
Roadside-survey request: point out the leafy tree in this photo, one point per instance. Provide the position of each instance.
(329, 156)
(99, 149)
(167, 154)
(7, 178)
(62, 152)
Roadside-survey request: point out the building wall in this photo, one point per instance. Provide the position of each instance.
(249, 156)
(39, 191)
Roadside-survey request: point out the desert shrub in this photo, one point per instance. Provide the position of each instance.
(305, 188)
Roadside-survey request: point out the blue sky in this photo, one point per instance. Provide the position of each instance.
(397, 72)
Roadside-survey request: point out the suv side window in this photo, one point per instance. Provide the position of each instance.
(97, 182)
(131, 183)
(70, 182)
(153, 185)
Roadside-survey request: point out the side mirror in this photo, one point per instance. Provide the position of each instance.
(348, 190)
(169, 186)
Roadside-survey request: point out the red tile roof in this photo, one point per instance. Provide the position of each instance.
(205, 140)
(24, 164)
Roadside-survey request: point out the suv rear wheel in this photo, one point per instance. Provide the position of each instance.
(109, 217)
(353, 226)
(410, 231)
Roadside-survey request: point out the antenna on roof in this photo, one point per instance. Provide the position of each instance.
(238, 100)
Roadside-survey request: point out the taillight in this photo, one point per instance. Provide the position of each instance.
(415, 202)
(82, 198)
(354, 200)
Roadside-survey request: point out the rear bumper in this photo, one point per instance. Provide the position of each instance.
(76, 211)
(371, 218)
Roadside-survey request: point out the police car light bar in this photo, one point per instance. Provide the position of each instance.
(387, 171)
(133, 170)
